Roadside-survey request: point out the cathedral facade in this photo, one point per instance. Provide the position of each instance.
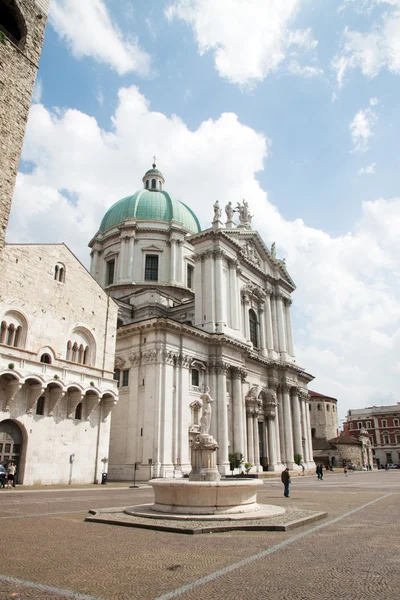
(199, 310)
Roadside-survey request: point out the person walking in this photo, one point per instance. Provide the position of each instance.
(10, 474)
(285, 478)
(345, 471)
(303, 468)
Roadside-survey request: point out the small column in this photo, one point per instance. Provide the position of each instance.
(271, 443)
(274, 323)
(256, 439)
(287, 416)
(223, 460)
(263, 347)
(172, 275)
(130, 258)
(277, 435)
(220, 296)
(179, 258)
(250, 437)
(121, 260)
(281, 427)
(212, 382)
(268, 319)
(298, 446)
(93, 263)
(246, 304)
(238, 435)
(281, 324)
(304, 408)
(234, 320)
(289, 332)
(198, 291)
(239, 299)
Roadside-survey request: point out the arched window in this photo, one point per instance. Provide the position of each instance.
(12, 22)
(318, 406)
(253, 323)
(313, 431)
(327, 407)
(45, 358)
(13, 330)
(78, 412)
(59, 273)
(153, 184)
(195, 377)
(81, 347)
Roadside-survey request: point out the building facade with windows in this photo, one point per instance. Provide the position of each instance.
(57, 344)
(383, 426)
(197, 310)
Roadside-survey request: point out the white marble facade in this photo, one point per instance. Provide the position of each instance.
(57, 347)
(217, 315)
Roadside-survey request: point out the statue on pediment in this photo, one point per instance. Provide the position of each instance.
(217, 211)
(244, 214)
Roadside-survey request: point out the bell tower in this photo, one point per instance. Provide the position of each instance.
(22, 25)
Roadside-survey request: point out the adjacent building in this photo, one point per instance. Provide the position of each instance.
(197, 310)
(383, 426)
(330, 447)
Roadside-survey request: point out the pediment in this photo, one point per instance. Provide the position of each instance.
(152, 248)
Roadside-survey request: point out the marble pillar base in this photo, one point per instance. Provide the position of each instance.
(204, 459)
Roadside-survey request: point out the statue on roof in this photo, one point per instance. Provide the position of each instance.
(244, 214)
(217, 211)
(273, 250)
(229, 210)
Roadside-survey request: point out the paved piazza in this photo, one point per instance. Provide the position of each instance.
(48, 551)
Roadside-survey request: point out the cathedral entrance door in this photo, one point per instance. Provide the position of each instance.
(10, 444)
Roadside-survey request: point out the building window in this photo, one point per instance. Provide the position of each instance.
(125, 378)
(318, 407)
(189, 276)
(389, 457)
(386, 438)
(81, 348)
(313, 431)
(12, 22)
(351, 426)
(153, 184)
(110, 271)
(253, 328)
(59, 273)
(384, 423)
(368, 424)
(397, 438)
(13, 330)
(117, 376)
(195, 377)
(40, 406)
(78, 412)
(45, 358)
(359, 425)
(396, 422)
(333, 408)
(147, 184)
(151, 268)
(327, 407)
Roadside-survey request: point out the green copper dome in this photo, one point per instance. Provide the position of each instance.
(150, 205)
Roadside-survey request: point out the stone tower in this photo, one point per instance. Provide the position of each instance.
(323, 416)
(22, 25)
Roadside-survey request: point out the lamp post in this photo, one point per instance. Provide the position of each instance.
(135, 468)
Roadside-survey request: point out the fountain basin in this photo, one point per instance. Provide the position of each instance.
(205, 497)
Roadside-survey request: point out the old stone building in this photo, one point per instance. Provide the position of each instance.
(22, 25)
(330, 447)
(57, 343)
(198, 309)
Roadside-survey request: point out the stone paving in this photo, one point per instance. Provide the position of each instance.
(352, 554)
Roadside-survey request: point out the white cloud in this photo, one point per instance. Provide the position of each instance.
(361, 126)
(249, 39)
(373, 50)
(370, 170)
(346, 305)
(90, 31)
(37, 90)
(306, 71)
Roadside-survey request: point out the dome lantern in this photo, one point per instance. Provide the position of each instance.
(153, 179)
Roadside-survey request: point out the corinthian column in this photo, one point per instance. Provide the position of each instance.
(220, 297)
(288, 323)
(268, 320)
(287, 424)
(256, 439)
(172, 275)
(304, 408)
(309, 440)
(222, 413)
(263, 347)
(246, 304)
(281, 324)
(298, 446)
(238, 434)
(250, 437)
(234, 297)
(271, 443)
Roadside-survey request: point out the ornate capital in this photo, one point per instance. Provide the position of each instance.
(236, 372)
(222, 368)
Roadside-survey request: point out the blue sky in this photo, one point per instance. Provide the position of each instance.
(292, 105)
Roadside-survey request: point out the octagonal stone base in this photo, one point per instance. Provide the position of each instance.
(205, 497)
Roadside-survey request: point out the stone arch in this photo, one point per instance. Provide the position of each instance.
(81, 346)
(14, 433)
(12, 22)
(14, 329)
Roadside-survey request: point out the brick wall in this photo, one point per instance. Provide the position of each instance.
(18, 68)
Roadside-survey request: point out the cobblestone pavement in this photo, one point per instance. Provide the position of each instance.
(49, 552)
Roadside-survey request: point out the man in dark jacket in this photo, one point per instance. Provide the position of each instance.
(285, 478)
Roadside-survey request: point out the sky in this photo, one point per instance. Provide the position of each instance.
(292, 105)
